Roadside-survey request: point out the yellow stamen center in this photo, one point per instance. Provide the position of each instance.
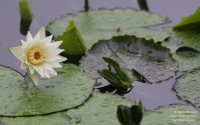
(35, 56)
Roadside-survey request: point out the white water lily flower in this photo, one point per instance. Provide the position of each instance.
(38, 55)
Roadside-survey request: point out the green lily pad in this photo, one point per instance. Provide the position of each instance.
(190, 22)
(52, 119)
(150, 59)
(187, 58)
(72, 40)
(70, 88)
(104, 24)
(182, 38)
(187, 87)
(174, 115)
(99, 109)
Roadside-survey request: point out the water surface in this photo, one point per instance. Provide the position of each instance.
(152, 95)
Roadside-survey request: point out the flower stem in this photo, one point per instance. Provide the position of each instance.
(28, 83)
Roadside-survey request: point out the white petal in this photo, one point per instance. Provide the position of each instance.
(52, 58)
(41, 72)
(52, 46)
(24, 66)
(31, 69)
(54, 64)
(61, 59)
(53, 72)
(37, 68)
(45, 66)
(47, 40)
(22, 59)
(54, 53)
(35, 77)
(36, 40)
(41, 33)
(46, 73)
(16, 51)
(24, 44)
(29, 37)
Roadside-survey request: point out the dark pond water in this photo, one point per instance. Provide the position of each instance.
(45, 11)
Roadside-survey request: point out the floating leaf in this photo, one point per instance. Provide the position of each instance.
(187, 87)
(70, 88)
(53, 119)
(174, 115)
(149, 59)
(72, 40)
(99, 109)
(189, 40)
(190, 22)
(25, 11)
(182, 38)
(187, 58)
(104, 24)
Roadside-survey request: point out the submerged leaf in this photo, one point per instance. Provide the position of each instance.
(187, 87)
(149, 59)
(104, 24)
(73, 42)
(25, 11)
(176, 114)
(190, 22)
(70, 88)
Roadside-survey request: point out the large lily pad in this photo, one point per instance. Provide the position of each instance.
(70, 88)
(99, 109)
(174, 115)
(187, 87)
(104, 24)
(52, 119)
(149, 59)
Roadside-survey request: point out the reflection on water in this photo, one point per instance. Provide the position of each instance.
(24, 26)
(143, 5)
(152, 95)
